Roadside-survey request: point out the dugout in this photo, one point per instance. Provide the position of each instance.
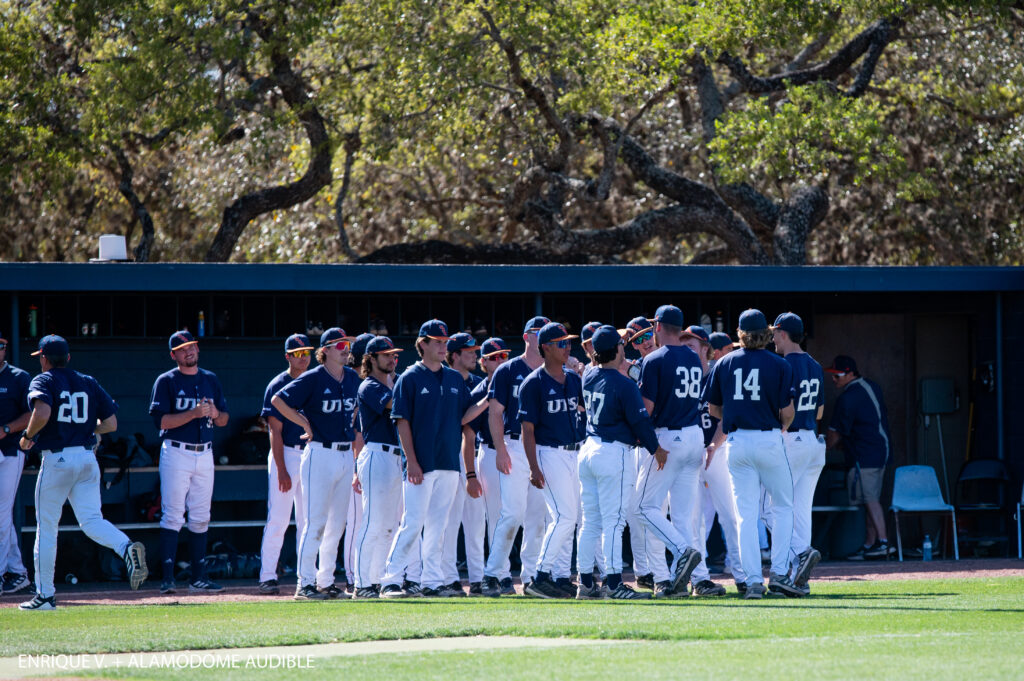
(901, 324)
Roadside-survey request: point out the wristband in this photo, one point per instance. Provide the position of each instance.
(470, 475)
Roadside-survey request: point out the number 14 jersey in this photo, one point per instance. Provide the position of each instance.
(751, 386)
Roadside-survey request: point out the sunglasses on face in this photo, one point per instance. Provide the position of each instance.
(302, 353)
(640, 340)
(562, 344)
(344, 346)
(3, 346)
(502, 356)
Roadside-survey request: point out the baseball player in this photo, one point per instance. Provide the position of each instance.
(616, 418)
(549, 402)
(714, 482)
(322, 402)
(750, 391)
(670, 386)
(521, 503)
(462, 357)
(804, 447)
(493, 353)
(69, 411)
(431, 409)
(721, 345)
(354, 516)
(647, 549)
(379, 466)
(187, 403)
(14, 415)
(284, 490)
(586, 333)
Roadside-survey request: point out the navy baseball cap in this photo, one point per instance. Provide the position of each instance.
(637, 327)
(462, 341)
(588, 331)
(790, 323)
(669, 314)
(493, 346)
(698, 332)
(435, 329)
(297, 341)
(381, 345)
(535, 324)
(52, 345)
(180, 339)
(843, 364)
(719, 340)
(359, 344)
(334, 335)
(553, 332)
(606, 338)
(752, 321)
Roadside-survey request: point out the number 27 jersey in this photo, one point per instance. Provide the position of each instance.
(751, 386)
(76, 402)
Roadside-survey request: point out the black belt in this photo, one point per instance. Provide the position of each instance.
(515, 436)
(337, 446)
(190, 447)
(392, 449)
(568, 448)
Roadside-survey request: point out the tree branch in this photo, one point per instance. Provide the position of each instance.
(352, 144)
(142, 249)
(799, 215)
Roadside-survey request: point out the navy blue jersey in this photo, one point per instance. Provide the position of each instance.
(327, 404)
(860, 417)
(291, 433)
(808, 395)
(76, 402)
(479, 424)
(552, 407)
(13, 403)
(708, 423)
(670, 377)
(751, 386)
(472, 381)
(615, 410)
(505, 385)
(175, 392)
(374, 414)
(433, 403)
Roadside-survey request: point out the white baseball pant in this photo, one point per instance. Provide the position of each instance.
(380, 476)
(470, 513)
(279, 511)
(487, 473)
(10, 477)
(561, 493)
(522, 504)
(679, 478)
(326, 486)
(759, 457)
(353, 521)
(719, 492)
(647, 549)
(426, 510)
(606, 490)
(73, 475)
(186, 485)
(806, 452)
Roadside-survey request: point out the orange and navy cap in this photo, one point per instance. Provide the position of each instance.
(698, 332)
(588, 331)
(296, 342)
(462, 341)
(333, 335)
(434, 329)
(637, 327)
(52, 345)
(493, 346)
(381, 345)
(552, 332)
(180, 339)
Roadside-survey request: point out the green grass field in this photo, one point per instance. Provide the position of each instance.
(935, 629)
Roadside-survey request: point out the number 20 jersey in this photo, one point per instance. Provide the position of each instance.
(76, 402)
(751, 386)
(808, 390)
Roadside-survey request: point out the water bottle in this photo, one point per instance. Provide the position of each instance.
(202, 323)
(70, 578)
(926, 548)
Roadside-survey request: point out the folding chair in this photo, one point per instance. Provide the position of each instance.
(915, 489)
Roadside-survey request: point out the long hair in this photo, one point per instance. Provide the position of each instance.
(366, 367)
(756, 340)
(321, 354)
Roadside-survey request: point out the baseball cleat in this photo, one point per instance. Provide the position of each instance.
(566, 586)
(392, 591)
(427, 592)
(204, 586)
(491, 587)
(646, 581)
(880, 549)
(412, 589)
(664, 590)
(782, 584)
(453, 590)
(706, 588)
(365, 592)
(309, 593)
(40, 603)
(268, 588)
(475, 590)
(592, 593)
(685, 564)
(753, 591)
(808, 560)
(135, 561)
(13, 583)
(507, 587)
(741, 588)
(624, 592)
(333, 592)
(168, 587)
(544, 588)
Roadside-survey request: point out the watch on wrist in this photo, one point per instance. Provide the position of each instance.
(30, 438)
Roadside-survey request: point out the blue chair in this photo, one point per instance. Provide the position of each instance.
(915, 489)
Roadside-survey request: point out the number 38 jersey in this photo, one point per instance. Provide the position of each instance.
(76, 402)
(808, 393)
(751, 386)
(670, 377)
